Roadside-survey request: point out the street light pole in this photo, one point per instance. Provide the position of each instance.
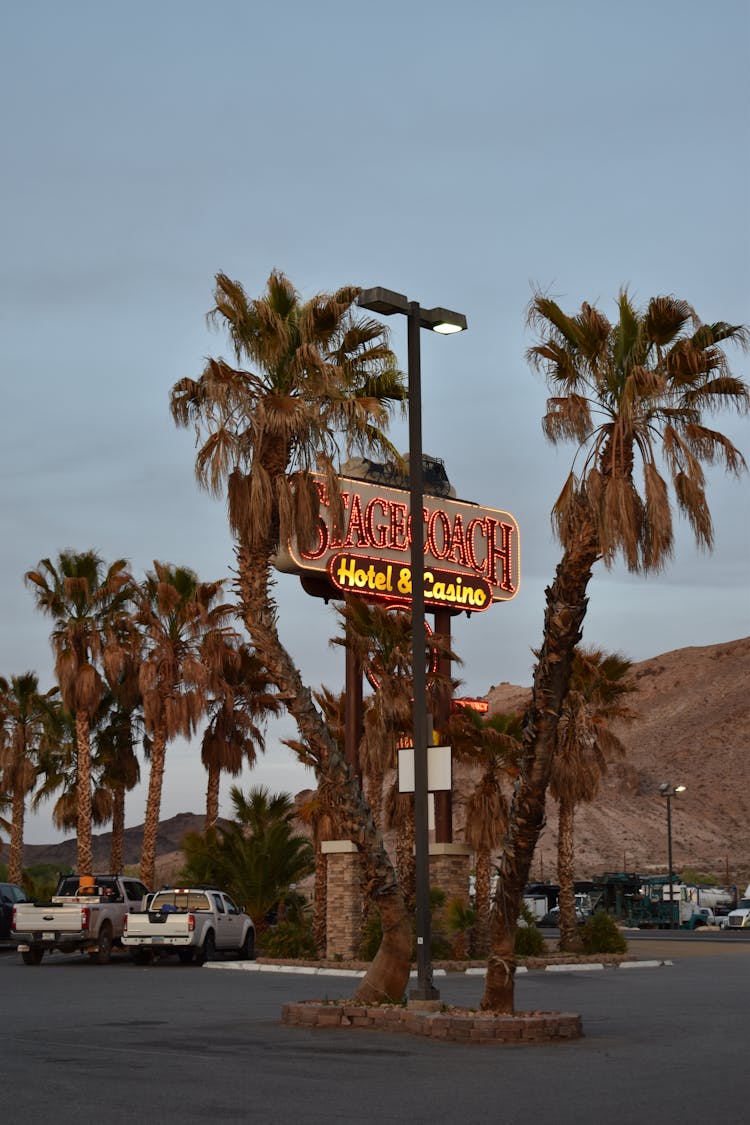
(387, 302)
(425, 989)
(669, 791)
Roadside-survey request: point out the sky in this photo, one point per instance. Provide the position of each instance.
(465, 156)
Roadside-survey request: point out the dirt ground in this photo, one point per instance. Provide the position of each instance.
(678, 950)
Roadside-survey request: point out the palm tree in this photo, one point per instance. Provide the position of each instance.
(58, 764)
(119, 727)
(313, 813)
(24, 723)
(121, 772)
(631, 393)
(239, 702)
(323, 377)
(586, 741)
(492, 746)
(85, 602)
(381, 639)
(185, 633)
(316, 812)
(257, 857)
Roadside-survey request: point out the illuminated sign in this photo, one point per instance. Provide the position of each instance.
(480, 705)
(472, 554)
(375, 578)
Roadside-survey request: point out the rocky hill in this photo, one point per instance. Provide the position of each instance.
(692, 728)
(171, 832)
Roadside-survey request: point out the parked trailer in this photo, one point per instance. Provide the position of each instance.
(659, 905)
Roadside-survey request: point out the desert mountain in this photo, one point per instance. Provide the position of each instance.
(693, 729)
(63, 855)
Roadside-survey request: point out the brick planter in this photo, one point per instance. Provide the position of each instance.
(454, 1024)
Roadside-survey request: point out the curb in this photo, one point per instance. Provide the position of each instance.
(311, 970)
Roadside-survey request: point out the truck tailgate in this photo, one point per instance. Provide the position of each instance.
(157, 927)
(51, 918)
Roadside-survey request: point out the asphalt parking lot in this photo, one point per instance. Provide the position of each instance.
(181, 1044)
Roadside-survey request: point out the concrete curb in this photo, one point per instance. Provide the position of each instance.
(311, 970)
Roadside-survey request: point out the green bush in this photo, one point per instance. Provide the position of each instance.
(460, 919)
(40, 881)
(440, 948)
(600, 934)
(529, 941)
(289, 939)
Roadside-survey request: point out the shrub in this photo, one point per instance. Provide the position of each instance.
(529, 941)
(290, 939)
(600, 934)
(460, 919)
(40, 881)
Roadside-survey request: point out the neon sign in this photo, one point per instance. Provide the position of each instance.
(375, 578)
(472, 554)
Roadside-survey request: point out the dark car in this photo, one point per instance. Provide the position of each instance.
(552, 917)
(10, 894)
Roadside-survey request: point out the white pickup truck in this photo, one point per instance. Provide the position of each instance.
(85, 915)
(196, 923)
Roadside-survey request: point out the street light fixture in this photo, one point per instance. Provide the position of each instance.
(386, 302)
(669, 791)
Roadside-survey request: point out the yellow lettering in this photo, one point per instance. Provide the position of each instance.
(346, 572)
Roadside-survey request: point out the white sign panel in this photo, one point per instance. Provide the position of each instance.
(438, 769)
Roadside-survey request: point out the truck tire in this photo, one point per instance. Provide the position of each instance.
(246, 952)
(32, 956)
(207, 951)
(104, 946)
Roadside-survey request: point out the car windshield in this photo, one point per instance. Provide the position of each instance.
(744, 902)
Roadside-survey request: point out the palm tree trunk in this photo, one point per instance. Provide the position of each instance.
(570, 939)
(118, 829)
(563, 620)
(83, 818)
(212, 796)
(387, 976)
(153, 807)
(482, 901)
(15, 852)
(373, 793)
(405, 863)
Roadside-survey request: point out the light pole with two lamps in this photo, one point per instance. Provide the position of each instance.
(386, 302)
(669, 791)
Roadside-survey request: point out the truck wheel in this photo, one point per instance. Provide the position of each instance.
(104, 946)
(207, 951)
(246, 952)
(32, 956)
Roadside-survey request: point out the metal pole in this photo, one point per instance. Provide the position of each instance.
(669, 849)
(425, 989)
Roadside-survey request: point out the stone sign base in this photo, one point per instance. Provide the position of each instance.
(454, 1024)
(449, 870)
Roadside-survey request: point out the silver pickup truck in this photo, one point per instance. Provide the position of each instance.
(196, 923)
(85, 915)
